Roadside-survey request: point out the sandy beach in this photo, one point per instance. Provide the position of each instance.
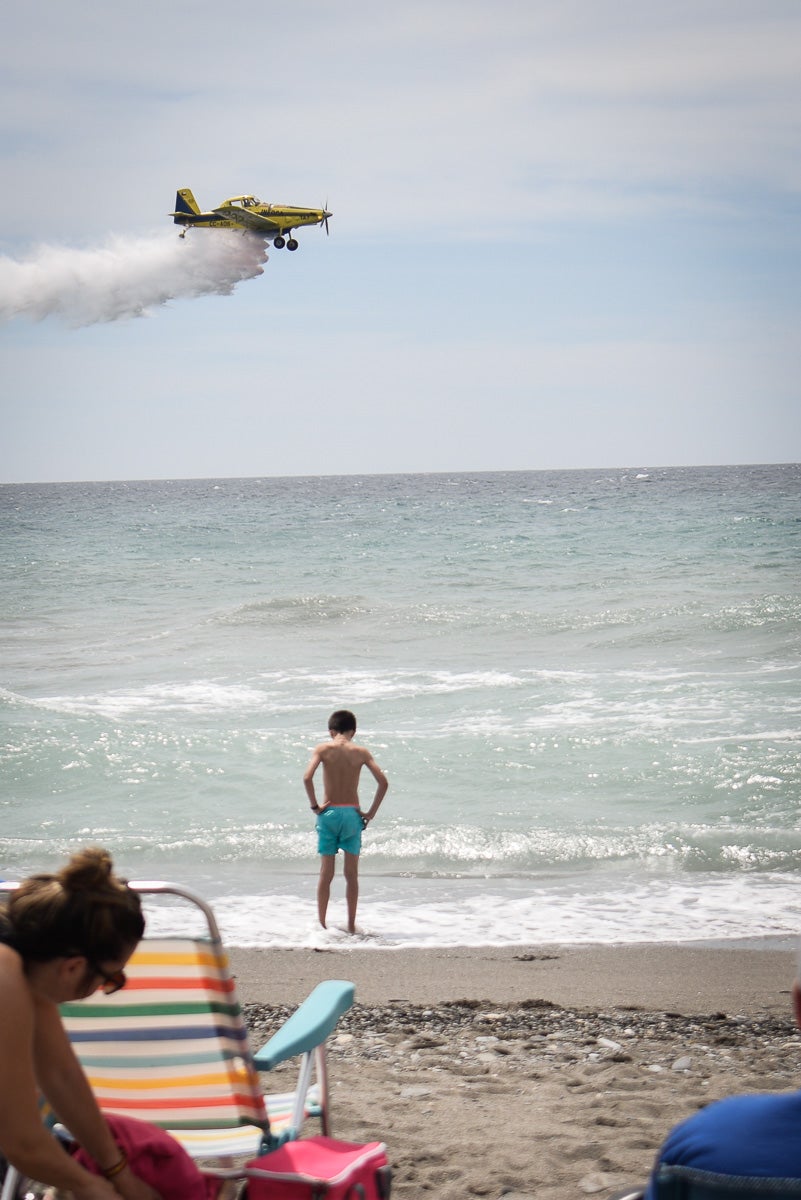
(543, 1072)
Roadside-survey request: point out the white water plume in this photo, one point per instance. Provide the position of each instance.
(126, 277)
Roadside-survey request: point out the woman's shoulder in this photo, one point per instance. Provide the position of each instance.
(13, 982)
(10, 960)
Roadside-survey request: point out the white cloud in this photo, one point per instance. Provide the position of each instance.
(444, 110)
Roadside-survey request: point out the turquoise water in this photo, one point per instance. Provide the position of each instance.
(584, 687)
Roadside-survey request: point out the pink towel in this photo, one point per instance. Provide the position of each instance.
(157, 1158)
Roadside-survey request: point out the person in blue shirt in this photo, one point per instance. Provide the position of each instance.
(754, 1135)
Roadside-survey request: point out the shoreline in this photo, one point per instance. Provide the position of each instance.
(690, 978)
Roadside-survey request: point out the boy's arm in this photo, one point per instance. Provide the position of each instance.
(308, 779)
(381, 790)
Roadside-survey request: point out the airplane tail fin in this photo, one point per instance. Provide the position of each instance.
(185, 205)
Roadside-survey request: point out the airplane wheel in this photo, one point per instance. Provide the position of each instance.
(279, 242)
(292, 244)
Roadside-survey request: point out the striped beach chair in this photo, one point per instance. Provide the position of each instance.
(172, 1047)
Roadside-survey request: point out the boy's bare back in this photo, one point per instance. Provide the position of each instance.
(342, 763)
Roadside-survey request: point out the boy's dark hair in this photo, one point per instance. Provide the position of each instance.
(342, 721)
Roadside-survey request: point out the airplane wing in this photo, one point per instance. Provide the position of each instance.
(253, 221)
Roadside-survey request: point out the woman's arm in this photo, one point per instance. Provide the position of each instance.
(61, 1077)
(27, 1144)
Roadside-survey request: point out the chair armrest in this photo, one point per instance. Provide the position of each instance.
(309, 1025)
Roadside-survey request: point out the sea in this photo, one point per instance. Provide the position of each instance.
(584, 687)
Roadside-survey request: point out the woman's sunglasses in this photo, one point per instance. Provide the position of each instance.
(111, 983)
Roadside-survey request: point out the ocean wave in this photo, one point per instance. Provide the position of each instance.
(659, 622)
(686, 699)
(201, 696)
(296, 610)
(414, 850)
(462, 913)
(454, 851)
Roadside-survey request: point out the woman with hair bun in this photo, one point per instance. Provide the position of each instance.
(62, 937)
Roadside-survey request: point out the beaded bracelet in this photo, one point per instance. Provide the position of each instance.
(113, 1172)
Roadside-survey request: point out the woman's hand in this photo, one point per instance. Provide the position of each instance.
(125, 1184)
(131, 1187)
(93, 1187)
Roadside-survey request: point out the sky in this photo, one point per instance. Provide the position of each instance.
(563, 235)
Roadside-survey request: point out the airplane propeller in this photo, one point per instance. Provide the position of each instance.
(324, 221)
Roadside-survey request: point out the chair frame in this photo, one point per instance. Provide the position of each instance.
(674, 1181)
(677, 1182)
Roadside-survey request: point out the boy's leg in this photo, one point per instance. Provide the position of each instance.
(351, 888)
(327, 864)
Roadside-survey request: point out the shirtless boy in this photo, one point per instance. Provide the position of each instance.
(340, 820)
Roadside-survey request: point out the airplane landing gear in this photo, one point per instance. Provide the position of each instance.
(279, 242)
(292, 244)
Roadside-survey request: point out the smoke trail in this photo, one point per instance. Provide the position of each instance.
(126, 277)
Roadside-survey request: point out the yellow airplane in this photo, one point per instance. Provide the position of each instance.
(271, 221)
